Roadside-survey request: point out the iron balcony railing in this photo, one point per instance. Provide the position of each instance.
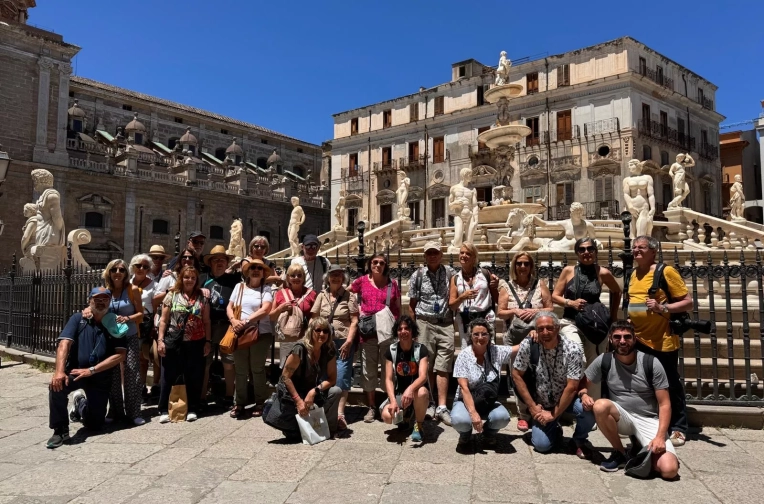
(381, 166)
(708, 151)
(602, 126)
(705, 102)
(657, 77)
(664, 133)
(412, 162)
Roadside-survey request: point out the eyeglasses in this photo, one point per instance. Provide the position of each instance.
(187, 258)
(311, 246)
(118, 270)
(322, 330)
(634, 249)
(590, 249)
(259, 247)
(480, 335)
(257, 268)
(523, 263)
(142, 266)
(624, 337)
(378, 263)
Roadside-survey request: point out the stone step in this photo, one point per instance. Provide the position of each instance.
(722, 348)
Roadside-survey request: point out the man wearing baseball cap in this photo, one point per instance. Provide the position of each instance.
(85, 351)
(314, 265)
(196, 241)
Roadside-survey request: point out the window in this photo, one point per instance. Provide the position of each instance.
(703, 137)
(647, 153)
(385, 214)
(354, 126)
(353, 165)
(298, 170)
(352, 220)
(484, 193)
(439, 105)
(387, 156)
(664, 158)
(462, 71)
(533, 138)
(264, 141)
(266, 235)
(77, 125)
(533, 161)
(680, 130)
(224, 131)
(94, 220)
(413, 152)
(659, 74)
(414, 213)
(160, 226)
(532, 193)
(603, 189)
(138, 138)
(565, 193)
(642, 66)
(299, 149)
(646, 114)
(664, 123)
(262, 163)
(563, 75)
(438, 149)
(701, 95)
(172, 142)
(564, 125)
(129, 108)
(220, 153)
(413, 112)
(603, 150)
(438, 212)
(481, 145)
(480, 95)
(532, 80)
(179, 120)
(217, 233)
(387, 118)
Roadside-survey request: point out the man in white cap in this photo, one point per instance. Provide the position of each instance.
(428, 305)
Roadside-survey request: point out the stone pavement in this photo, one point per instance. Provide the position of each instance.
(219, 459)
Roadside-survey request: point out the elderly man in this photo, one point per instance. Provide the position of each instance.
(313, 265)
(546, 375)
(85, 351)
(650, 312)
(196, 241)
(428, 305)
(635, 401)
(220, 285)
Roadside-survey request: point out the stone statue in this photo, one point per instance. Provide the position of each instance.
(236, 246)
(402, 195)
(639, 196)
(50, 223)
(339, 210)
(29, 230)
(502, 71)
(574, 228)
(295, 221)
(681, 187)
(737, 200)
(498, 198)
(462, 204)
(522, 232)
(516, 229)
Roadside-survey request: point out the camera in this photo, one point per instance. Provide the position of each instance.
(681, 323)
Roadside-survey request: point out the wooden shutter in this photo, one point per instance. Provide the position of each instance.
(438, 149)
(413, 112)
(386, 155)
(564, 125)
(439, 108)
(563, 75)
(413, 152)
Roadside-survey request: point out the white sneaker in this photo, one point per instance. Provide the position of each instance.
(74, 410)
(191, 417)
(139, 421)
(164, 418)
(430, 413)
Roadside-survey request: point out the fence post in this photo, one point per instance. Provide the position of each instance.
(68, 282)
(12, 276)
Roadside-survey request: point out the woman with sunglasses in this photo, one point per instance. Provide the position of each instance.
(309, 376)
(375, 291)
(519, 301)
(589, 277)
(140, 269)
(258, 249)
(255, 299)
(294, 296)
(186, 310)
(186, 257)
(126, 304)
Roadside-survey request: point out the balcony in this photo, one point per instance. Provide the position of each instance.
(412, 162)
(663, 133)
(706, 103)
(708, 151)
(657, 78)
(352, 172)
(383, 166)
(593, 210)
(601, 127)
(80, 145)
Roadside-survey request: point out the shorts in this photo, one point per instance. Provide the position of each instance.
(218, 331)
(643, 428)
(439, 341)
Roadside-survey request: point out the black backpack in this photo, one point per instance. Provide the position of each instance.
(607, 362)
(594, 319)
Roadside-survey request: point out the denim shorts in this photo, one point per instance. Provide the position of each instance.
(345, 366)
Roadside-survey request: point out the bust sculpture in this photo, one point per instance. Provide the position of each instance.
(737, 200)
(29, 230)
(295, 221)
(639, 196)
(502, 71)
(236, 245)
(338, 211)
(463, 205)
(402, 195)
(677, 173)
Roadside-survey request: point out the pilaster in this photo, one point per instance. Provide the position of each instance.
(43, 101)
(129, 223)
(64, 72)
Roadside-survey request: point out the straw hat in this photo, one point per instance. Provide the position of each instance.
(158, 250)
(248, 263)
(217, 250)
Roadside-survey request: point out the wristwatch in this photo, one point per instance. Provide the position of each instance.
(92, 370)
(318, 390)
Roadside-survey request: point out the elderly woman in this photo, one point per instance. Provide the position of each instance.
(309, 377)
(473, 291)
(255, 299)
(340, 308)
(140, 269)
(293, 295)
(478, 371)
(185, 339)
(578, 286)
(375, 290)
(406, 365)
(519, 301)
(258, 249)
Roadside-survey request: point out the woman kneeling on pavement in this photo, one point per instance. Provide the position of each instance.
(406, 365)
(478, 371)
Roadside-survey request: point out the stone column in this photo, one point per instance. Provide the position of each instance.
(43, 101)
(64, 71)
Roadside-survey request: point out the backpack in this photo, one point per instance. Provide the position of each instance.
(289, 326)
(419, 274)
(594, 319)
(394, 353)
(678, 322)
(607, 361)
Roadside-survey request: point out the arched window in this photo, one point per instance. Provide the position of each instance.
(171, 142)
(262, 163)
(220, 153)
(160, 226)
(664, 158)
(94, 220)
(138, 138)
(217, 233)
(647, 153)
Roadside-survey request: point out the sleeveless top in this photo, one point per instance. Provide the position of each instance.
(522, 292)
(589, 287)
(123, 306)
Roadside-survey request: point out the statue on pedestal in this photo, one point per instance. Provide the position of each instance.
(463, 205)
(338, 211)
(498, 198)
(502, 71)
(639, 196)
(737, 200)
(236, 246)
(402, 195)
(295, 221)
(50, 223)
(681, 187)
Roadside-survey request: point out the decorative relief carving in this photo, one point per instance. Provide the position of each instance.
(385, 197)
(438, 191)
(415, 194)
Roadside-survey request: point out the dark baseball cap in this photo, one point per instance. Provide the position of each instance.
(196, 234)
(310, 238)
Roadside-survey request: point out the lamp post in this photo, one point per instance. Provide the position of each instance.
(5, 162)
(627, 258)
(361, 258)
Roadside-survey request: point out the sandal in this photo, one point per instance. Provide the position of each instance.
(341, 423)
(257, 411)
(236, 412)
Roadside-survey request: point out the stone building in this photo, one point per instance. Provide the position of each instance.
(740, 155)
(589, 110)
(135, 169)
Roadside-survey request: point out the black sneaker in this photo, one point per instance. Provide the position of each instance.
(59, 437)
(616, 461)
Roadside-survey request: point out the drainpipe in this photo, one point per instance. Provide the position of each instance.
(548, 145)
(426, 169)
(140, 232)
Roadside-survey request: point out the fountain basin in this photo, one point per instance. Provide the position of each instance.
(508, 135)
(507, 91)
(499, 213)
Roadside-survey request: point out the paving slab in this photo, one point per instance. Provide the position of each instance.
(395, 493)
(115, 490)
(249, 492)
(337, 486)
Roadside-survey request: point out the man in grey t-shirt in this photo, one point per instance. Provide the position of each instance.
(632, 403)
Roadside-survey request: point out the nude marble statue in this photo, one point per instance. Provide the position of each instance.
(678, 172)
(295, 221)
(639, 196)
(463, 205)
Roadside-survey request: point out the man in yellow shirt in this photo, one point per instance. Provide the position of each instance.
(651, 316)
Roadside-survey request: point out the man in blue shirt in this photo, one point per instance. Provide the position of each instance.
(85, 351)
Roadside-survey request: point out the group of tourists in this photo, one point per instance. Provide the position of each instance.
(178, 320)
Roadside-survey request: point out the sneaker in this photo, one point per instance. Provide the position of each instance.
(443, 415)
(370, 416)
(190, 417)
(416, 434)
(430, 413)
(677, 438)
(139, 420)
(164, 418)
(59, 437)
(616, 461)
(522, 425)
(74, 409)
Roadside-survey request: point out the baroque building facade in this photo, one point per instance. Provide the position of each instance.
(590, 111)
(137, 170)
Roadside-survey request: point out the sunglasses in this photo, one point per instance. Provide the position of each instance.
(257, 268)
(118, 270)
(378, 263)
(590, 249)
(142, 266)
(311, 246)
(523, 263)
(259, 247)
(624, 337)
(187, 258)
(295, 275)
(322, 330)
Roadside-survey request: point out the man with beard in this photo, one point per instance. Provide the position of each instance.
(85, 350)
(635, 402)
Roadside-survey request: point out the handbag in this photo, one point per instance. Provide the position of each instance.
(178, 405)
(289, 326)
(594, 320)
(519, 329)
(313, 428)
(281, 412)
(174, 335)
(232, 340)
(367, 324)
(486, 393)
(146, 328)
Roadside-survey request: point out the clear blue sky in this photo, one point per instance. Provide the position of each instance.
(289, 65)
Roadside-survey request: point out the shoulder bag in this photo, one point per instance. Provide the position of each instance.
(289, 326)
(519, 329)
(174, 335)
(486, 393)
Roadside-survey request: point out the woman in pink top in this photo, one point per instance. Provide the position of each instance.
(372, 290)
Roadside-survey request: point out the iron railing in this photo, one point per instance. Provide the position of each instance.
(611, 125)
(708, 151)
(657, 77)
(705, 102)
(663, 133)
